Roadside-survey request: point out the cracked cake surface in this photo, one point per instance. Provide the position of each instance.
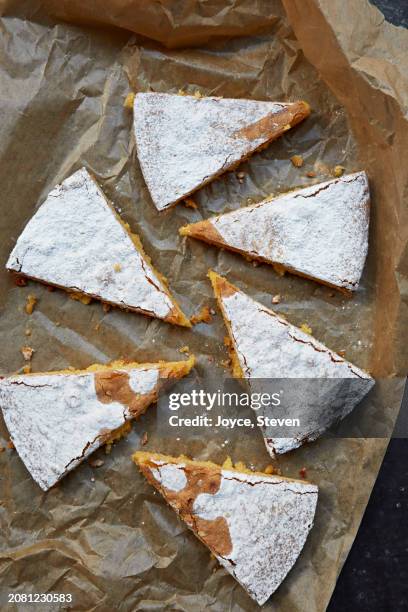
(184, 142)
(254, 523)
(267, 347)
(320, 232)
(76, 241)
(57, 419)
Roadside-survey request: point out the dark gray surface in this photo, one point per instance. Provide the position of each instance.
(395, 11)
(375, 575)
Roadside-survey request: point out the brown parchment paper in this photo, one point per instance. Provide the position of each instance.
(103, 534)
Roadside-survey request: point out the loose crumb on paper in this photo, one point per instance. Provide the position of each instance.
(27, 352)
(20, 281)
(189, 202)
(297, 161)
(30, 304)
(305, 328)
(204, 316)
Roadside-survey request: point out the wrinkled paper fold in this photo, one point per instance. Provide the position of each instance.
(102, 534)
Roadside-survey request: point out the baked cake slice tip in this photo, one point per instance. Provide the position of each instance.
(57, 419)
(319, 232)
(266, 348)
(76, 241)
(255, 524)
(184, 142)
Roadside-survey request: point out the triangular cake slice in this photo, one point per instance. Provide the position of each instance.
(76, 241)
(57, 419)
(184, 142)
(254, 523)
(320, 232)
(265, 348)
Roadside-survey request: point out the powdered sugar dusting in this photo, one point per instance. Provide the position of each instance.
(75, 241)
(268, 347)
(320, 231)
(182, 141)
(143, 381)
(268, 520)
(170, 476)
(57, 420)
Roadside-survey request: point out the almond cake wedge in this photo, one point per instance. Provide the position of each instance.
(255, 524)
(266, 348)
(185, 142)
(57, 419)
(76, 241)
(319, 232)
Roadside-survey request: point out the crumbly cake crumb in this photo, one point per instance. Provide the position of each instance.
(297, 161)
(27, 352)
(190, 203)
(204, 316)
(30, 304)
